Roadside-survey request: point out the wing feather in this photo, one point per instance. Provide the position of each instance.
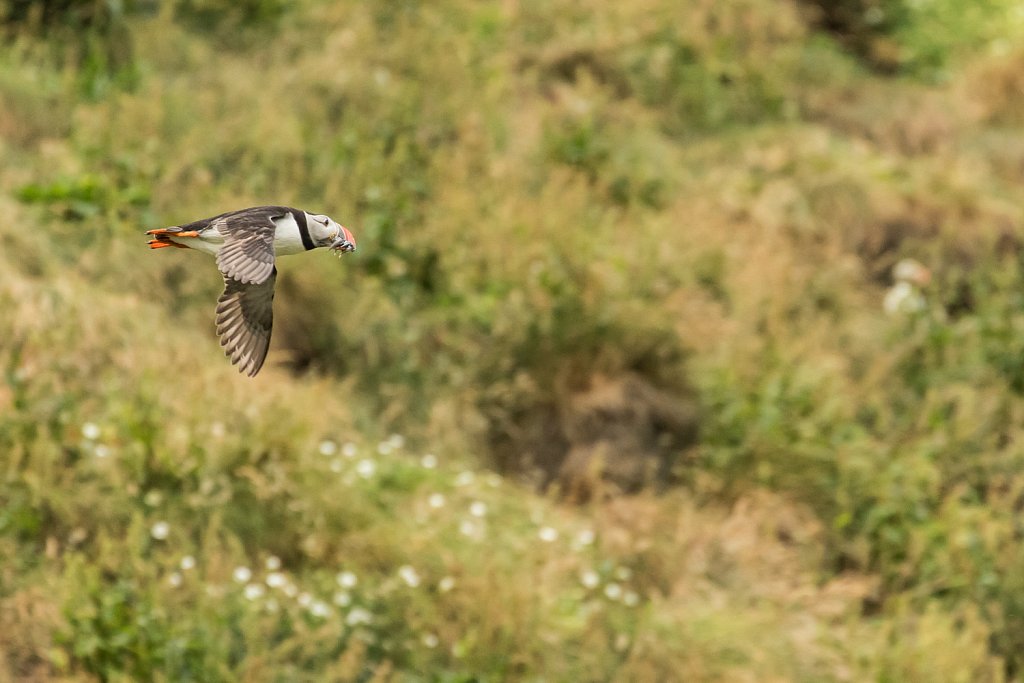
(245, 318)
(248, 252)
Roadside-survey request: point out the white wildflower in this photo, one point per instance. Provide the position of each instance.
(342, 599)
(613, 591)
(409, 575)
(253, 591)
(465, 478)
(320, 609)
(187, 562)
(276, 580)
(305, 599)
(160, 531)
(152, 498)
(366, 468)
(327, 448)
(430, 640)
(590, 579)
(446, 584)
(436, 500)
(174, 579)
(242, 574)
(385, 448)
(478, 508)
(90, 431)
(346, 579)
(273, 563)
(349, 450)
(358, 616)
(468, 528)
(429, 461)
(631, 598)
(101, 450)
(547, 534)
(585, 537)
(397, 441)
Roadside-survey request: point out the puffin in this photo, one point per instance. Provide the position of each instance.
(906, 296)
(246, 243)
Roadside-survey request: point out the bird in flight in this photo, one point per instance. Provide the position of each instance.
(245, 244)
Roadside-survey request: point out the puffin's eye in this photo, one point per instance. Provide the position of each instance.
(324, 220)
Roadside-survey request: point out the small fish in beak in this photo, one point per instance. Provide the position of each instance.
(344, 242)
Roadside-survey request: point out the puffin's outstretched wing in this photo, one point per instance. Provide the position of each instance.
(245, 316)
(248, 251)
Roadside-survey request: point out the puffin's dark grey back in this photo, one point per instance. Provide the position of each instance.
(252, 215)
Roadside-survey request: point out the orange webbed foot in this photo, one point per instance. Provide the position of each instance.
(160, 244)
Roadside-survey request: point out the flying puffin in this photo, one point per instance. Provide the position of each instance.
(245, 243)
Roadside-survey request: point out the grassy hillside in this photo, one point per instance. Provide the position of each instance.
(608, 392)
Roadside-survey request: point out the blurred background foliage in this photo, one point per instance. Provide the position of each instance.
(608, 392)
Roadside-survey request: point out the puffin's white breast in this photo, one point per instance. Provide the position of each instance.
(287, 239)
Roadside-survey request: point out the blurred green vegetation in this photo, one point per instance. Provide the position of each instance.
(608, 391)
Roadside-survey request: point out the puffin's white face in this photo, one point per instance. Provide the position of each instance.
(327, 233)
(909, 270)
